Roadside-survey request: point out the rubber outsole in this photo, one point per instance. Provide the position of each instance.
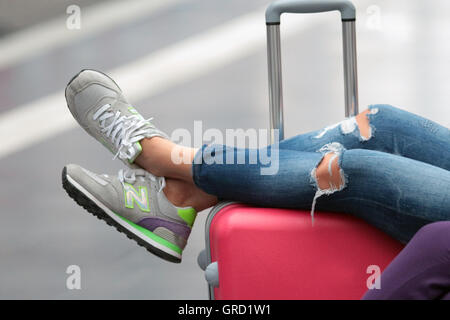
(82, 200)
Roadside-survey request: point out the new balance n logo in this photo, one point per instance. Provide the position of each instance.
(139, 196)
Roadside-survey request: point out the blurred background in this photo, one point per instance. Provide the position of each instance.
(178, 61)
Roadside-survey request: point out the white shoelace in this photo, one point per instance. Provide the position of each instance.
(123, 131)
(130, 176)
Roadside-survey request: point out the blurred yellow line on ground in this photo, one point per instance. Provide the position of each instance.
(94, 19)
(159, 71)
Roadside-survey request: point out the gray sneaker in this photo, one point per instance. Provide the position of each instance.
(135, 204)
(98, 105)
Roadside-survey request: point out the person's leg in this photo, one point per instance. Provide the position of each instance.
(387, 184)
(164, 158)
(383, 128)
(421, 270)
(396, 194)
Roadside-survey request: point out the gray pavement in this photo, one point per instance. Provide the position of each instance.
(403, 62)
(16, 15)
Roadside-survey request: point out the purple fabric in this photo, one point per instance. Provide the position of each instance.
(153, 223)
(421, 270)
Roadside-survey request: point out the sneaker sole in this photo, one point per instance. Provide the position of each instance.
(86, 200)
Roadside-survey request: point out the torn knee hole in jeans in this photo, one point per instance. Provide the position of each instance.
(328, 177)
(349, 125)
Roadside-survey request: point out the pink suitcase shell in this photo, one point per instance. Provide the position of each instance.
(268, 253)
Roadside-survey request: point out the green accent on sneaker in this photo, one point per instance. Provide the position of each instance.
(152, 236)
(132, 110)
(188, 215)
(139, 146)
(138, 152)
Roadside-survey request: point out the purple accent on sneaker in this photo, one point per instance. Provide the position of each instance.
(177, 228)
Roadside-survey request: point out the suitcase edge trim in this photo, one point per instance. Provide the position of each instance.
(218, 207)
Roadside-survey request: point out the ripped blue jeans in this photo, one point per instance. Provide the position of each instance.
(397, 178)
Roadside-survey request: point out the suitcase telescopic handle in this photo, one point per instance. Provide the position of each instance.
(276, 8)
(273, 14)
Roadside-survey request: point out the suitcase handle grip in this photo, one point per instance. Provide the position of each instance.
(276, 8)
(273, 13)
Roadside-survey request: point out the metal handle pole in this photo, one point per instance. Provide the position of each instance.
(350, 68)
(275, 81)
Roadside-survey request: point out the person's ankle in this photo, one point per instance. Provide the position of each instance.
(178, 193)
(184, 194)
(147, 158)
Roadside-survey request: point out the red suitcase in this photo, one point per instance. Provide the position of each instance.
(270, 253)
